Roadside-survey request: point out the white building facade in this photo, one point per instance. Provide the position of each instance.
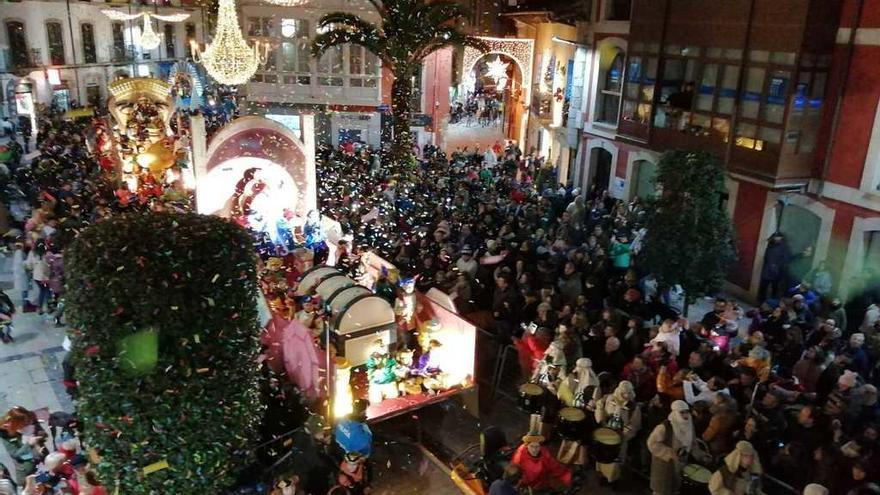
(67, 52)
(343, 89)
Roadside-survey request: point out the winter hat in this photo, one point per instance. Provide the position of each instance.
(847, 379)
(54, 460)
(467, 250)
(815, 489)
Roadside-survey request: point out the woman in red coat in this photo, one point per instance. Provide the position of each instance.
(540, 470)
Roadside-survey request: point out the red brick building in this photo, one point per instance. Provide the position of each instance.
(785, 92)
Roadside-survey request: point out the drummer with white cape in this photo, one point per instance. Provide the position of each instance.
(671, 444)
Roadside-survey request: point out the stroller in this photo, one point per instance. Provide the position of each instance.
(7, 309)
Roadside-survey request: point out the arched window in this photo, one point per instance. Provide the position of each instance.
(87, 31)
(19, 54)
(608, 97)
(55, 36)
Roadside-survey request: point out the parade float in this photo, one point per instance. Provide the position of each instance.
(400, 356)
(138, 144)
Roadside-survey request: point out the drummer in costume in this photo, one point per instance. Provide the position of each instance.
(670, 445)
(620, 414)
(548, 375)
(575, 394)
(540, 471)
(740, 474)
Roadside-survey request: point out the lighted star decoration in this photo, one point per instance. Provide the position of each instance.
(520, 50)
(497, 69)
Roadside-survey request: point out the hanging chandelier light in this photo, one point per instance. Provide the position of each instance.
(229, 59)
(149, 39)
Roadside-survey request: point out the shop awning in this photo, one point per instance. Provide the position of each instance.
(79, 113)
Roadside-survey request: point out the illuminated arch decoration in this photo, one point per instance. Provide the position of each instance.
(520, 50)
(185, 70)
(257, 164)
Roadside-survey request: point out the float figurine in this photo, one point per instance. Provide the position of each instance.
(405, 310)
(380, 373)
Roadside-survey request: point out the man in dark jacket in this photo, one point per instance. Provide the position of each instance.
(505, 307)
(775, 269)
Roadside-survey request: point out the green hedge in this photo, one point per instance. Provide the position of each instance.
(191, 279)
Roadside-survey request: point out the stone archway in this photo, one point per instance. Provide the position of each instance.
(521, 51)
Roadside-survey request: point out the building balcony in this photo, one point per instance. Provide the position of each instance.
(566, 11)
(315, 89)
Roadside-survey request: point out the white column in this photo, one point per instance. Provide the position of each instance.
(308, 135)
(199, 150)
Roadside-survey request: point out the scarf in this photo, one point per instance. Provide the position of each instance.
(682, 429)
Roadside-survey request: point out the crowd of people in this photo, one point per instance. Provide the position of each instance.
(726, 400)
(611, 371)
(476, 108)
(63, 189)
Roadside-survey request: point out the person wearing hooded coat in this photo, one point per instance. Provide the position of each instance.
(740, 474)
(619, 412)
(670, 444)
(576, 391)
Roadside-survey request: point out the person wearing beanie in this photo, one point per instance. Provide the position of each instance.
(739, 474)
(815, 489)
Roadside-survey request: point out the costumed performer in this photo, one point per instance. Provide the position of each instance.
(405, 310)
(739, 474)
(380, 373)
(670, 444)
(539, 469)
(575, 391)
(619, 412)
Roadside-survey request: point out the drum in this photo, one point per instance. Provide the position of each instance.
(531, 398)
(571, 423)
(606, 445)
(695, 480)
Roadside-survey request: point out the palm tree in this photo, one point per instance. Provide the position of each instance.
(409, 31)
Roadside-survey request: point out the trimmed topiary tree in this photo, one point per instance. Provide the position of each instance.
(165, 347)
(690, 237)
